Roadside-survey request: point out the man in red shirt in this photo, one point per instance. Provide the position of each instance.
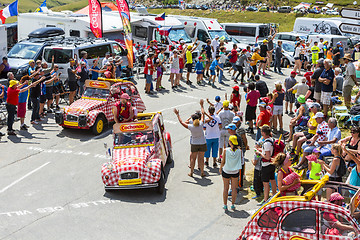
(233, 58)
(181, 57)
(13, 100)
(262, 119)
(123, 111)
(148, 71)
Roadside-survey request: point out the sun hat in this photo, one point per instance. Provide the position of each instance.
(226, 103)
(233, 139)
(231, 126)
(311, 158)
(236, 119)
(125, 96)
(301, 99)
(335, 196)
(319, 115)
(236, 88)
(13, 82)
(315, 104)
(347, 56)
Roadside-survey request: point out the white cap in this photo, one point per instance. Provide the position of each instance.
(182, 41)
(319, 114)
(303, 80)
(216, 36)
(110, 59)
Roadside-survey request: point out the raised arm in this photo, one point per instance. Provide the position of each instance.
(178, 116)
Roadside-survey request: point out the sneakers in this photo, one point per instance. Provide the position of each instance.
(255, 197)
(11, 132)
(291, 113)
(23, 127)
(232, 207)
(34, 122)
(49, 111)
(286, 112)
(2, 134)
(225, 207)
(213, 85)
(281, 73)
(261, 203)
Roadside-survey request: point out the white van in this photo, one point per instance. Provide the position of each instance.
(205, 28)
(320, 25)
(3, 41)
(67, 48)
(332, 39)
(247, 32)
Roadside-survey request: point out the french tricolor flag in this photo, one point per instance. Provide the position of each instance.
(164, 31)
(9, 11)
(160, 17)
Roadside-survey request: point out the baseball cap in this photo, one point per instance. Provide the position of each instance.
(236, 88)
(236, 119)
(216, 36)
(265, 41)
(226, 103)
(338, 43)
(125, 96)
(293, 73)
(244, 50)
(110, 59)
(189, 47)
(303, 80)
(13, 82)
(200, 58)
(319, 114)
(315, 104)
(335, 196)
(233, 140)
(182, 41)
(262, 104)
(217, 98)
(31, 61)
(301, 99)
(107, 53)
(231, 126)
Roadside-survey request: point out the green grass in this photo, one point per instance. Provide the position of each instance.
(285, 20)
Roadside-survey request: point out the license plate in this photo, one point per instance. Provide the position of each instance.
(130, 181)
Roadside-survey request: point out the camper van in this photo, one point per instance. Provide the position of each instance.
(247, 32)
(205, 28)
(319, 25)
(3, 41)
(332, 40)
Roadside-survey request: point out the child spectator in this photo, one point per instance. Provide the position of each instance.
(148, 71)
(252, 101)
(308, 75)
(214, 65)
(199, 69)
(217, 105)
(257, 183)
(314, 167)
(235, 98)
(160, 69)
(222, 61)
(94, 74)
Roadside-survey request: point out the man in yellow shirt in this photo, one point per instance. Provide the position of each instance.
(315, 50)
(301, 137)
(254, 60)
(189, 60)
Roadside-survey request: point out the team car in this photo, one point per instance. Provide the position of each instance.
(304, 218)
(94, 109)
(141, 150)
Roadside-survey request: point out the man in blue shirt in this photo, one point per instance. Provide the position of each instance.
(333, 136)
(213, 66)
(326, 79)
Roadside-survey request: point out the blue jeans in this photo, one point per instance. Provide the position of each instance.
(221, 73)
(308, 149)
(81, 88)
(277, 64)
(212, 144)
(35, 109)
(258, 134)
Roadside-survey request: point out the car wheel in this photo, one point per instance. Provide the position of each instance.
(286, 63)
(170, 158)
(161, 183)
(98, 126)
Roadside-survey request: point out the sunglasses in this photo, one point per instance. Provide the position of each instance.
(353, 132)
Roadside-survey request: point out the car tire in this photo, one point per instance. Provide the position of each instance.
(170, 157)
(98, 126)
(109, 190)
(161, 183)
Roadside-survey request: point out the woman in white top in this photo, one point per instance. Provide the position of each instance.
(175, 69)
(229, 169)
(297, 65)
(197, 140)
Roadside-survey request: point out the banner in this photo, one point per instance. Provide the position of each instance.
(40, 8)
(124, 12)
(95, 15)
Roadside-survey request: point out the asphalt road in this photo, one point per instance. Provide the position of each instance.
(51, 188)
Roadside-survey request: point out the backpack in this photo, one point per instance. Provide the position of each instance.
(355, 110)
(279, 147)
(341, 171)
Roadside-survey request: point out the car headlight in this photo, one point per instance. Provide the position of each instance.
(21, 70)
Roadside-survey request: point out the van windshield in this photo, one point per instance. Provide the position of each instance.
(176, 34)
(24, 51)
(288, 47)
(60, 55)
(221, 33)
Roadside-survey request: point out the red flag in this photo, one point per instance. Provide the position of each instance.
(95, 15)
(124, 12)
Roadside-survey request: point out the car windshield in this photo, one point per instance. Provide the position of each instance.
(96, 93)
(221, 33)
(176, 34)
(134, 138)
(24, 51)
(60, 55)
(288, 47)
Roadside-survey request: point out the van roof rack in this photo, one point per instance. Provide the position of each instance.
(66, 41)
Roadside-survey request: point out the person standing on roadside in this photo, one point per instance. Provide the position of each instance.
(233, 57)
(222, 61)
(315, 53)
(261, 86)
(327, 85)
(208, 57)
(289, 95)
(181, 54)
(174, 69)
(321, 47)
(189, 61)
(318, 71)
(278, 101)
(226, 116)
(337, 54)
(23, 96)
(263, 119)
(350, 79)
(263, 53)
(270, 48)
(148, 71)
(252, 100)
(212, 135)
(278, 57)
(72, 76)
(214, 46)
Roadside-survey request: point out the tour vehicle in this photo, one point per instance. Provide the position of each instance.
(320, 25)
(94, 109)
(303, 217)
(290, 36)
(139, 155)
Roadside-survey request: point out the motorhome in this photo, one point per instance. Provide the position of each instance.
(205, 28)
(3, 41)
(247, 32)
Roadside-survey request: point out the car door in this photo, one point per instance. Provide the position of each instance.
(299, 222)
(159, 143)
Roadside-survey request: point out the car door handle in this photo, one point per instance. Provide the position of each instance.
(61, 68)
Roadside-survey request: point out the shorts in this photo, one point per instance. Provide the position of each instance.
(347, 91)
(224, 138)
(307, 148)
(335, 179)
(199, 72)
(308, 135)
(189, 67)
(181, 70)
(278, 110)
(42, 98)
(227, 175)
(148, 78)
(268, 173)
(174, 70)
(296, 58)
(49, 93)
(317, 95)
(262, 61)
(314, 61)
(159, 71)
(72, 86)
(198, 148)
(250, 113)
(325, 98)
(289, 97)
(212, 72)
(21, 110)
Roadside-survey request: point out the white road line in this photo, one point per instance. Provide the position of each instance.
(181, 105)
(188, 96)
(23, 177)
(171, 122)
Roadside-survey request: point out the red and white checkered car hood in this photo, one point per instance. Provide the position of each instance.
(132, 160)
(84, 104)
